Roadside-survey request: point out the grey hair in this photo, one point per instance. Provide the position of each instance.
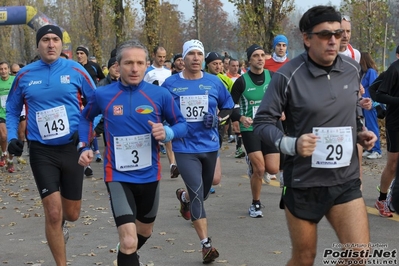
(127, 45)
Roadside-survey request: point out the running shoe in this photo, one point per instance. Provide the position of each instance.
(209, 253)
(239, 153)
(254, 211)
(65, 231)
(249, 170)
(389, 197)
(184, 206)
(88, 171)
(21, 160)
(232, 139)
(10, 167)
(98, 157)
(267, 177)
(382, 207)
(212, 190)
(3, 160)
(162, 148)
(374, 155)
(366, 153)
(174, 171)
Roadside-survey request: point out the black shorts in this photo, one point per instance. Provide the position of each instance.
(252, 143)
(2, 120)
(133, 201)
(312, 204)
(392, 140)
(56, 168)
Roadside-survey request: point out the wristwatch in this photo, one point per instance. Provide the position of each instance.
(81, 146)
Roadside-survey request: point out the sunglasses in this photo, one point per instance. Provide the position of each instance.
(326, 34)
(14, 73)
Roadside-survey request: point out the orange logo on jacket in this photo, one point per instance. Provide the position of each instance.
(118, 109)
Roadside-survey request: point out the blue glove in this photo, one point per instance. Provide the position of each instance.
(210, 120)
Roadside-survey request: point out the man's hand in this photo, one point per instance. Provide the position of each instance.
(157, 130)
(282, 118)
(366, 103)
(86, 157)
(246, 121)
(306, 144)
(366, 139)
(15, 147)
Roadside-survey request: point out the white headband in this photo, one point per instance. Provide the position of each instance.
(192, 45)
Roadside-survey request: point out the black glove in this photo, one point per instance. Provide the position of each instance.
(75, 138)
(99, 129)
(15, 147)
(210, 120)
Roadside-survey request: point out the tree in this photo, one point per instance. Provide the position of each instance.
(151, 24)
(216, 31)
(261, 20)
(369, 20)
(171, 29)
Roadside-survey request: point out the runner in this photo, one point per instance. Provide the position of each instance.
(321, 171)
(133, 111)
(199, 95)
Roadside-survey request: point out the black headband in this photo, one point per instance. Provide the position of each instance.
(323, 18)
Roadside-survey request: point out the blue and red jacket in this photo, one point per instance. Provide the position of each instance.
(44, 87)
(126, 111)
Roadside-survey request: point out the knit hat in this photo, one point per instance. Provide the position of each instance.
(252, 49)
(397, 49)
(113, 53)
(192, 45)
(83, 49)
(212, 56)
(111, 62)
(46, 30)
(278, 39)
(177, 56)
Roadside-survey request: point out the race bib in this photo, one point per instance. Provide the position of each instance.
(3, 100)
(132, 152)
(53, 123)
(334, 148)
(193, 107)
(254, 110)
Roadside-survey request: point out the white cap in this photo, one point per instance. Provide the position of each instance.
(192, 45)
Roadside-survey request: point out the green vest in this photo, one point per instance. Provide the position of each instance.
(5, 87)
(252, 97)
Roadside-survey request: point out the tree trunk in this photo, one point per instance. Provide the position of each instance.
(151, 26)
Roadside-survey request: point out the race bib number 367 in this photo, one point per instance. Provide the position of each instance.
(334, 147)
(193, 107)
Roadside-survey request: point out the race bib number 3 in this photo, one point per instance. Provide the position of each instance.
(53, 123)
(334, 147)
(193, 107)
(132, 152)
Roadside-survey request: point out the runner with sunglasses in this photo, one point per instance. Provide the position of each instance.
(318, 91)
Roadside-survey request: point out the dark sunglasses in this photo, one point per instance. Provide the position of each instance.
(14, 73)
(326, 34)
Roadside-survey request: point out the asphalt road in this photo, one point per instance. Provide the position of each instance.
(241, 240)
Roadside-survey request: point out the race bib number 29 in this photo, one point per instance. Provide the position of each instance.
(334, 147)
